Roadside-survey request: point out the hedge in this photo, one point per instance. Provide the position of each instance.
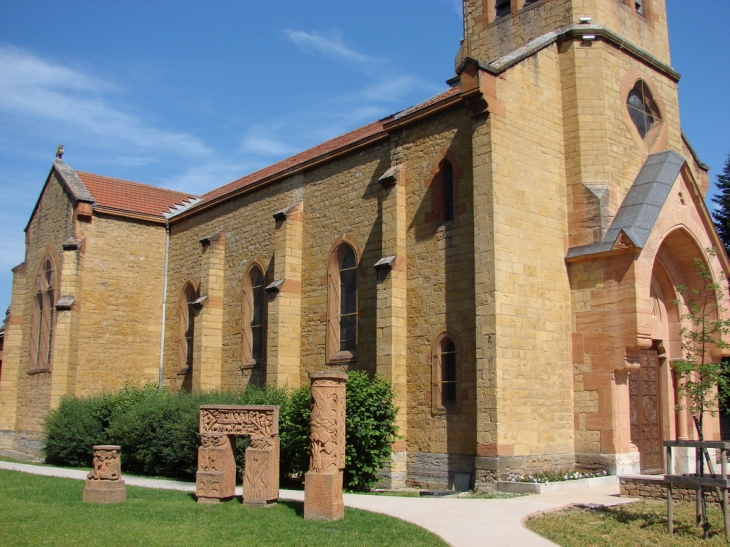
(158, 430)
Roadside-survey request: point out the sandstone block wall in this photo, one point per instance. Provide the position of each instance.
(532, 294)
(51, 225)
(120, 304)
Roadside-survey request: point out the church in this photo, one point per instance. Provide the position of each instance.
(507, 253)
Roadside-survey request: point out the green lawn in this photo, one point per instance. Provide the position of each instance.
(641, 524)
(39, 511)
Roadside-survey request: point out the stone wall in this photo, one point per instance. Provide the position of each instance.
(656, 489)
(120, 304)
(531, 301)
(51, 224)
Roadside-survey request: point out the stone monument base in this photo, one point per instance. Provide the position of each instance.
(97, 491)
(323, 496)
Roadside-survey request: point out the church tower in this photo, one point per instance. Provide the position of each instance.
(578, 159)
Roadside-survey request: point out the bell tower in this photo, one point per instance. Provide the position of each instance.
(494, 28)
(571, 102)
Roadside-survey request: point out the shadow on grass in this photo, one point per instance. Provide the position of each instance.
(648, 519)
(296, 507)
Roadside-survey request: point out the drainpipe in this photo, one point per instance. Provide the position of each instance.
(164, 305)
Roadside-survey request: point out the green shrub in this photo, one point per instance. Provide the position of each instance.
(77, 424)
(72, 429)
(158, 431)
(370, 430)
(159, 436)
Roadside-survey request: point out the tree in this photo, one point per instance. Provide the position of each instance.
(721, 215)
(702, 378)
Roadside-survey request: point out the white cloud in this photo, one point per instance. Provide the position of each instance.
(331, 46)
(39, 90)
(262, 140)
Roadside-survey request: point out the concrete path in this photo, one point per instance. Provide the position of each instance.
(461, 522)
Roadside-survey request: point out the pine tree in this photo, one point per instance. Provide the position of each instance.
(721, 214)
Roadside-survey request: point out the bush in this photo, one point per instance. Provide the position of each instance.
(80, 423)
(72, 429)
(370, 430)
(158, 431)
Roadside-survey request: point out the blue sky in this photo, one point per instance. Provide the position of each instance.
(191, 95)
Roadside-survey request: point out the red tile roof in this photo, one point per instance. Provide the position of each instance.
(132, 197)
(361, 133)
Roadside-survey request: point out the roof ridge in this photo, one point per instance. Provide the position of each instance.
(142, 184)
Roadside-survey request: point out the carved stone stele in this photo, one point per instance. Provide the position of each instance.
(104, 483)
(216, 476)
(323, 481)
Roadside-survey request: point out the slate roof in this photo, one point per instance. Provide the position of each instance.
(132, 197)
(640, 208)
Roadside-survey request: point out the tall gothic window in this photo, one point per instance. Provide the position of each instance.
(254, 317)
(186, 335)
(342, 305)
(445, 374)
(43, 316)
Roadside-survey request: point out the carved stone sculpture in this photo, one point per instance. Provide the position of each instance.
(323, 481)
(216, 476)
(104, 483)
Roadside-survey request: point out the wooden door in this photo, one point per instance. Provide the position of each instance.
(645, 412)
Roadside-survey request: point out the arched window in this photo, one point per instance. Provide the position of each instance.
(342, 305)
(643, 109)
(43, 316)
(186, 336)
(445, 374)
(254, 317)
(447, 180)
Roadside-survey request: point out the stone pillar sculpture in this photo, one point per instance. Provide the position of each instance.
(323, 481)
(216, 476)
(104, 483)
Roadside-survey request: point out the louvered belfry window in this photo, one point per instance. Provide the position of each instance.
(43, 316)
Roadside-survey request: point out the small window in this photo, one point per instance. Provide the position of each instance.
(642, 108)
(445, 374)
(639, 5)
(43, 316)
(186, 338)
(447, 178)
(342, 304)
(502, 8)
(254, 318)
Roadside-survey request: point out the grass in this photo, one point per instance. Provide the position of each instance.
(641, 524)
(40, 511)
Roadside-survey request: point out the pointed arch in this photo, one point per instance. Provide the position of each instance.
(342, 302)
(186, 333)
(445, 365)
(253, 317)
(43, 315)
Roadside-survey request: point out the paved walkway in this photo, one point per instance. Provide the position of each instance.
(462, 522)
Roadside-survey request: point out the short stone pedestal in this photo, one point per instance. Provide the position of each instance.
(323, 481)
(104, 484)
